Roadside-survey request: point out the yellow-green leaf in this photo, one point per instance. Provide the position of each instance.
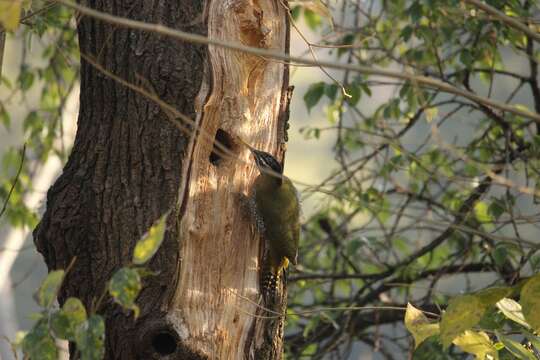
(150, 242)
(431, 113)
(530, 302)
(49, 288)
(124, 287)
(481, 210)
(463, 313)
(492, 295)
(418, 325)
(10, 13)
(476, 343)
(512, 310)
(66, 321)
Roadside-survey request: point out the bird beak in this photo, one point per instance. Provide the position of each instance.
(245, 144)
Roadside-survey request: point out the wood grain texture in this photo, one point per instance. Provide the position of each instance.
(218, 279)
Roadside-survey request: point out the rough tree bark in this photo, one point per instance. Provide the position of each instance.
(130, 165)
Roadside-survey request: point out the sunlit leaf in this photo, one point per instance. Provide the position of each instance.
(462, 313)
(512, 310)
(150, 242)
(419, 325)
(481, 212)
(530, 302)
(476, 343)
(431, 114)
(10, 13)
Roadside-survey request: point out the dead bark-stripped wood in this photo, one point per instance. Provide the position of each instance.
(130, 164)
(217, 293)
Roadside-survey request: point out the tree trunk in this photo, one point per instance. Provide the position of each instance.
(130, 165)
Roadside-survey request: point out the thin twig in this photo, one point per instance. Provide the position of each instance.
(15, 181)
(200, 39)
(499, 15)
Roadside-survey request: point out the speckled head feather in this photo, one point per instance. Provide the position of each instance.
(267, 162)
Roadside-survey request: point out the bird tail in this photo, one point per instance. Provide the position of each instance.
(269, 280)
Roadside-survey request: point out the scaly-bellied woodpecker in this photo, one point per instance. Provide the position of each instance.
(276, 208)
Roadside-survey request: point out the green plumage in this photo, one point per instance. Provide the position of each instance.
(276, 210)
(277, 206)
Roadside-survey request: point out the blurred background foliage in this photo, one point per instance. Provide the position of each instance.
(427, 195)
(433, 194)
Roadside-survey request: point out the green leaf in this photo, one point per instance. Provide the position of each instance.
(320, 9)
(415, 11)
(533, 339)
(481, 212)
(406, 33)
(313, 20)
(463, 313)
(431, 349)
(497, 208)
(418, 325)
(90, 338)
(500, 255)
(530, 302)
(66, 321)
(295, 12)
(5, 119)
(38, 344)
(314, 94)
(466, 57)
(26, 79)
(355, 93)
(144, 272)
(10, 14)
(124, 287)
(476, 343)
(311, 325)
(512, 310)
(515, 348)
(49, 288)
(150, 242)
(330, 90)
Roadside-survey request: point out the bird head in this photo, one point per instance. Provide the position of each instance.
(266, 163)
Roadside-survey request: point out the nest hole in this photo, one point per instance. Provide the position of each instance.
(164, 343)
(223, 143)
